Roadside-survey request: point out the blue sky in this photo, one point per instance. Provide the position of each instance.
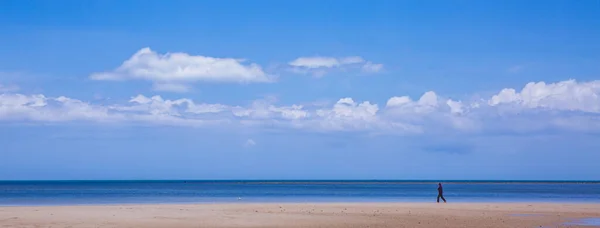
(299, 90)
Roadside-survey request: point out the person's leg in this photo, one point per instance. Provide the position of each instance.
(438, 198)
(442, 198)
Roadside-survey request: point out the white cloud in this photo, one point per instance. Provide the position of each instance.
(205, 108)
(372, 67)
(429, 99)
(398, 101)
(171, 70)
(455, 106)
(346, 114)
(566, 95)
(567, 105)
(73, 109)
(264, 109)
(326, 62)
(41, 108)
(320, 66)
(287, 112)
(427, 103)
(347, 108)
(427, 113)
(156, 105)
(351, 60)
(315, 62)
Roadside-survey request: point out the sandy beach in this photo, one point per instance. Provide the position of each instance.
(303, 215)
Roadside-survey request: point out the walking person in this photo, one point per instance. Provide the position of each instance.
(440, 193)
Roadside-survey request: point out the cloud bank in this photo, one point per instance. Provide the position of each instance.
(562, 106)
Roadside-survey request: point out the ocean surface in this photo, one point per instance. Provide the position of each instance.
(14, 193)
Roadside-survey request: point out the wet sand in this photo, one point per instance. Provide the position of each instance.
(332, 215)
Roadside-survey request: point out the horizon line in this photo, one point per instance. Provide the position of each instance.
(295, 180)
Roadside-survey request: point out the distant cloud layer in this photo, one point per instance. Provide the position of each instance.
(566, 95)
(319, 65)
(327, 62)
(567, 105)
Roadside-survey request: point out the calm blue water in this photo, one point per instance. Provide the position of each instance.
(119, 192)
(585, 222)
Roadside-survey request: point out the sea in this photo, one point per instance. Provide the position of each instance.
(40, 193)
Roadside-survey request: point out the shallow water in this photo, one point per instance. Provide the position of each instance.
(142, 192)
(585, 222)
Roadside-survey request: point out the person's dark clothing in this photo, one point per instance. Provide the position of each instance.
(440, 194)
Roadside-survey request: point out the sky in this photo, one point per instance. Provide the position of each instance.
(460, 90)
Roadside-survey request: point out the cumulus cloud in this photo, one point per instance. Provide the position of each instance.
(567, 95)
(455, 106)
(347, 108)
(427, 103)
(171, 70)
(346, 114)
(17, 107)
(429, 112)
(566, 105)
(319, 65)
(292, 112)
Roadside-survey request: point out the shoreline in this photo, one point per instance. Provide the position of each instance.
(275, 202)
(232, 202)
(319, 214)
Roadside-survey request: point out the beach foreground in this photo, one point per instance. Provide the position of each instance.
(303, 215)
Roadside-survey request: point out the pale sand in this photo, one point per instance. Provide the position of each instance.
(327, 215)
